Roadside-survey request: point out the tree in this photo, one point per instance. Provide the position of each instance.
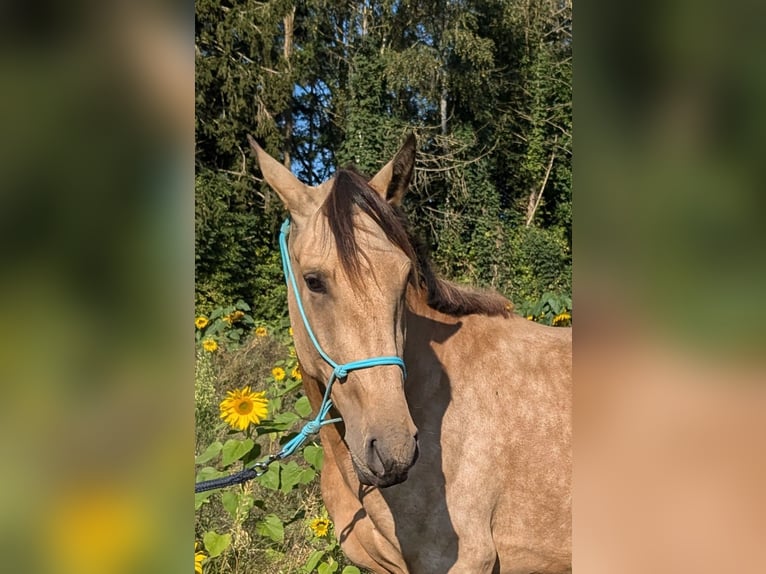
(486, 85)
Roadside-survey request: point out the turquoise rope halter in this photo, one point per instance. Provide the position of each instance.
(339, 371)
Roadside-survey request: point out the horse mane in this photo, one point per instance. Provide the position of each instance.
(350, 189)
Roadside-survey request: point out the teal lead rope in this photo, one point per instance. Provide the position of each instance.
(339, 371)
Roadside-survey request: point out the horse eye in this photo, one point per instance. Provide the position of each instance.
(315, 283)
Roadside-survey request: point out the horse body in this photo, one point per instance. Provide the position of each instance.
(464, 467)
(490, 491)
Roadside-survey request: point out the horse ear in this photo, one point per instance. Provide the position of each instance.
(295, 195)
(393, 180)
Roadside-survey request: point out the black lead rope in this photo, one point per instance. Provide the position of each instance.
(258, 469)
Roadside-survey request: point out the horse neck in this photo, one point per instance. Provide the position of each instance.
(427, 330)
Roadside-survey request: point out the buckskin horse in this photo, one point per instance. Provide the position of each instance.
(461, 465)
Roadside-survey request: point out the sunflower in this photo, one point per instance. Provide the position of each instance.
(296, 373)
(260, 332)
(201, 322)
(209, 345)
(290, 331)
(562, 318)
(278, 373)
(242, 407)
(199, 556)
(320, 526)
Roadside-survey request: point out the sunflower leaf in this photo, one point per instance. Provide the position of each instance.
(307, 475)
(303, 407)
(216, 543)
(270, 479)
(314, 455)
(291, 476)
(313, 560)
(230, 500)
(271, 527)
(235, 449)
(200, 498)
(210, 452)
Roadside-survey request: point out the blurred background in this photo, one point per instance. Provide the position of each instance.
(669, 279)
(96, 287)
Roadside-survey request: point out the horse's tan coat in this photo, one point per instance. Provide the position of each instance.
(489, 398)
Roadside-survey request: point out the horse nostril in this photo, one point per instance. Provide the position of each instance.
(373, 458)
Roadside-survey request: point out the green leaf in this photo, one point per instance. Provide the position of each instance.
(270, 479)
(215, 543)
(291, 476)
(303, 407)
(230, 500)
(289, 388)
(328, 567)
(200, 498)
(235, 449)
(351, 570)
(254, 453)
(307, 475)
(314, 455)
(209, 453)
(286, 420)
(313, 560)
(215, 314)
(271, 527)
(273, 555)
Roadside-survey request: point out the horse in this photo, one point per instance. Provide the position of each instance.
(463, 466)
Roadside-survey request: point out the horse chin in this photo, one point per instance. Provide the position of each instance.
(369, 479)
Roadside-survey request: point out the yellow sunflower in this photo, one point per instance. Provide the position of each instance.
(296, 373)
(290, 331)
(320, 526)
(562, 318)
(209, 345)
(201, 322)
(260, 332)
(236, 316)
(242, 407)
(199, 556)
(278, 373)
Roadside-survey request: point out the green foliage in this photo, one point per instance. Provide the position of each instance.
(552, 309)
(234, 249)
(487, 86)
(264, 525)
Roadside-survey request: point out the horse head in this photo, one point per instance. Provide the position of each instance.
(353, 263)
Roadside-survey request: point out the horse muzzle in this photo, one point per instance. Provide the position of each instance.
(381, 465)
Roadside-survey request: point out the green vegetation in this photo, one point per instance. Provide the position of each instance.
(486, 87)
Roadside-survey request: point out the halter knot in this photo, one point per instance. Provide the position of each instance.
(311, 427)
(340, 372)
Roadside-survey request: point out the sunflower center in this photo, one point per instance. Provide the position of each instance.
(244, 407)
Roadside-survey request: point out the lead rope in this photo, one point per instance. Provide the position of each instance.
(339, 371)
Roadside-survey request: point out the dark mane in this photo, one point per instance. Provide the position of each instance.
(350, 190)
